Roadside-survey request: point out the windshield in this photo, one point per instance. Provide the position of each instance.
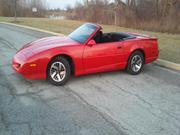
(82, 33)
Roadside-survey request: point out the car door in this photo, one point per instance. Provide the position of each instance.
(102, 57)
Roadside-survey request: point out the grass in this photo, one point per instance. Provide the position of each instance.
(169, 44)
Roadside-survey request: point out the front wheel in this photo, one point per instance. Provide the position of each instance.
(58, 71)
(135, 63)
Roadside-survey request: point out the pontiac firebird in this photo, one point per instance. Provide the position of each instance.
(86, 50)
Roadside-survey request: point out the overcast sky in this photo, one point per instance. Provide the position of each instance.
(61, 3)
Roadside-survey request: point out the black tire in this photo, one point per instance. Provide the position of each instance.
(65, 65)
(131, 66)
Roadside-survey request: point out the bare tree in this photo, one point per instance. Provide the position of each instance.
(154, 15)
(22, 7)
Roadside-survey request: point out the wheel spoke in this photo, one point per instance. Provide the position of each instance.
(62, 73)
(136, 58)
(137, 67)
(59, 77)
(133, 61)
(139, 61)
(134, 68)
(53, 74)
(55, 67)
(60, 66)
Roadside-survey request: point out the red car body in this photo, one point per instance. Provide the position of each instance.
(32, 60)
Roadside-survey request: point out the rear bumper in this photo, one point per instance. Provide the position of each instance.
(149, 60)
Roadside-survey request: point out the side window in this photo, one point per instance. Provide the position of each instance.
(108, 37)
(98, 37)
(101, 37)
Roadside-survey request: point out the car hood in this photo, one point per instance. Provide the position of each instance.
(46, 44)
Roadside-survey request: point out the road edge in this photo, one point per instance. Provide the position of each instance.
(167, 64)
(159, 62)
(33, 28)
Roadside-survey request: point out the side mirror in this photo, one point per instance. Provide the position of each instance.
(91, 42)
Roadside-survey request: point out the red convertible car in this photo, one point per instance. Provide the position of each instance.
(86, 50)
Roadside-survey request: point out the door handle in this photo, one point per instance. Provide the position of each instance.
(119, 47)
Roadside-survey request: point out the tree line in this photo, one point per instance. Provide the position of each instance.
(153, 15)
(23, 8)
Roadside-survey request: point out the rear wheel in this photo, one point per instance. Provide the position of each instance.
(135, 63)
(59, 71)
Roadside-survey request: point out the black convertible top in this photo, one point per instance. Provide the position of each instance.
(123, 36)
(112, 37)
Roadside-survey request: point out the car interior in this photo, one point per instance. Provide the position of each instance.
(101, 37)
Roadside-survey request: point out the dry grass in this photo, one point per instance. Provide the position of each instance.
(169, 44)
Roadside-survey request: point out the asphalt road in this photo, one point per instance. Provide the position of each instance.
(101, 104)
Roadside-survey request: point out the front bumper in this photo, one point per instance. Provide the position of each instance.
(17, 63)
(29, 70)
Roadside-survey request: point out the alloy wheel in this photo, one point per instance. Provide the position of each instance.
(58, 71)
(136, 63)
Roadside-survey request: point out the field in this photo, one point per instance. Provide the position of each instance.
(169, 44)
